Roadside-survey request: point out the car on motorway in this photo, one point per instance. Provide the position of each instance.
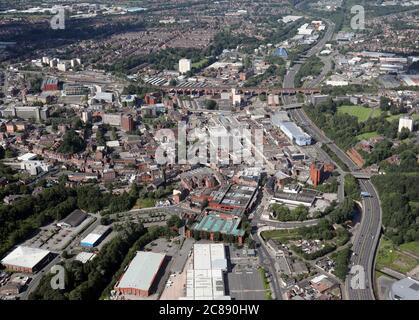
(365, 194)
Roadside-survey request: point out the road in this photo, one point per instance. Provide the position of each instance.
(365, 244)
(366, 240)
(268, 264)
(290, 76)
(266, 260)
(288, 225)
(172, 209)
(327, 67)
(38, 276)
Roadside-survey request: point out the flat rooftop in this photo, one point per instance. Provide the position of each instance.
(206, 281)
(27, 157)
(209, 256)
(142, 271)
(25, 257)
(235, 195)
(405, 289)
(304, 198)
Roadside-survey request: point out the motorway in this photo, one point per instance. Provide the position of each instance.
(290, 76)
(365, 244)
(266, 259)
(366, 240)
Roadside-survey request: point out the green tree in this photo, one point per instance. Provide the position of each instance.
(174, 221)
(105, 221)
(114, 135)
(217, 236)
(9, 153)
(210, 104)
(385, 103)
(351, 187)
(77, 124)
(72, 143)
(341, 259)
(404, 133)
(196, 235)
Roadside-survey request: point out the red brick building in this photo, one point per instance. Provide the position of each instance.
(319, 172)
(26, 259)
(151, 98)
(50, 84)
(141, 277)
(127, 123)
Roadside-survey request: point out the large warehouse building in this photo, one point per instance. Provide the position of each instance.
(26, 259)
(295, 133)
(73, 220)
(206, 280)
(96, 236)
(141, 275)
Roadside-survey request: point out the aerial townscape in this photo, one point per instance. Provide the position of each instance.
(209, 150)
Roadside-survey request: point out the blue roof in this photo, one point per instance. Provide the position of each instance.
(280, 52)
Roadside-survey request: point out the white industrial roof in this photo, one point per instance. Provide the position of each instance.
(209, 256)
(319, 278)
(104, 95)
(95, 235)
(91, 238)
(205, 285)
(142, 270)
(27, 157)
(202, 259)
(114, 143)
(205, 281)
(25, 257)
(290, 18)
(84, 257)
(218, 258)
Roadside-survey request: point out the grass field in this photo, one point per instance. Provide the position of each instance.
(412, 247)
(391, 118)
(375, 113)
(199, 64)
(362, 113)
(282, 236)
(268, 292)
(367, 135)
(145, 203)
(389, 257)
